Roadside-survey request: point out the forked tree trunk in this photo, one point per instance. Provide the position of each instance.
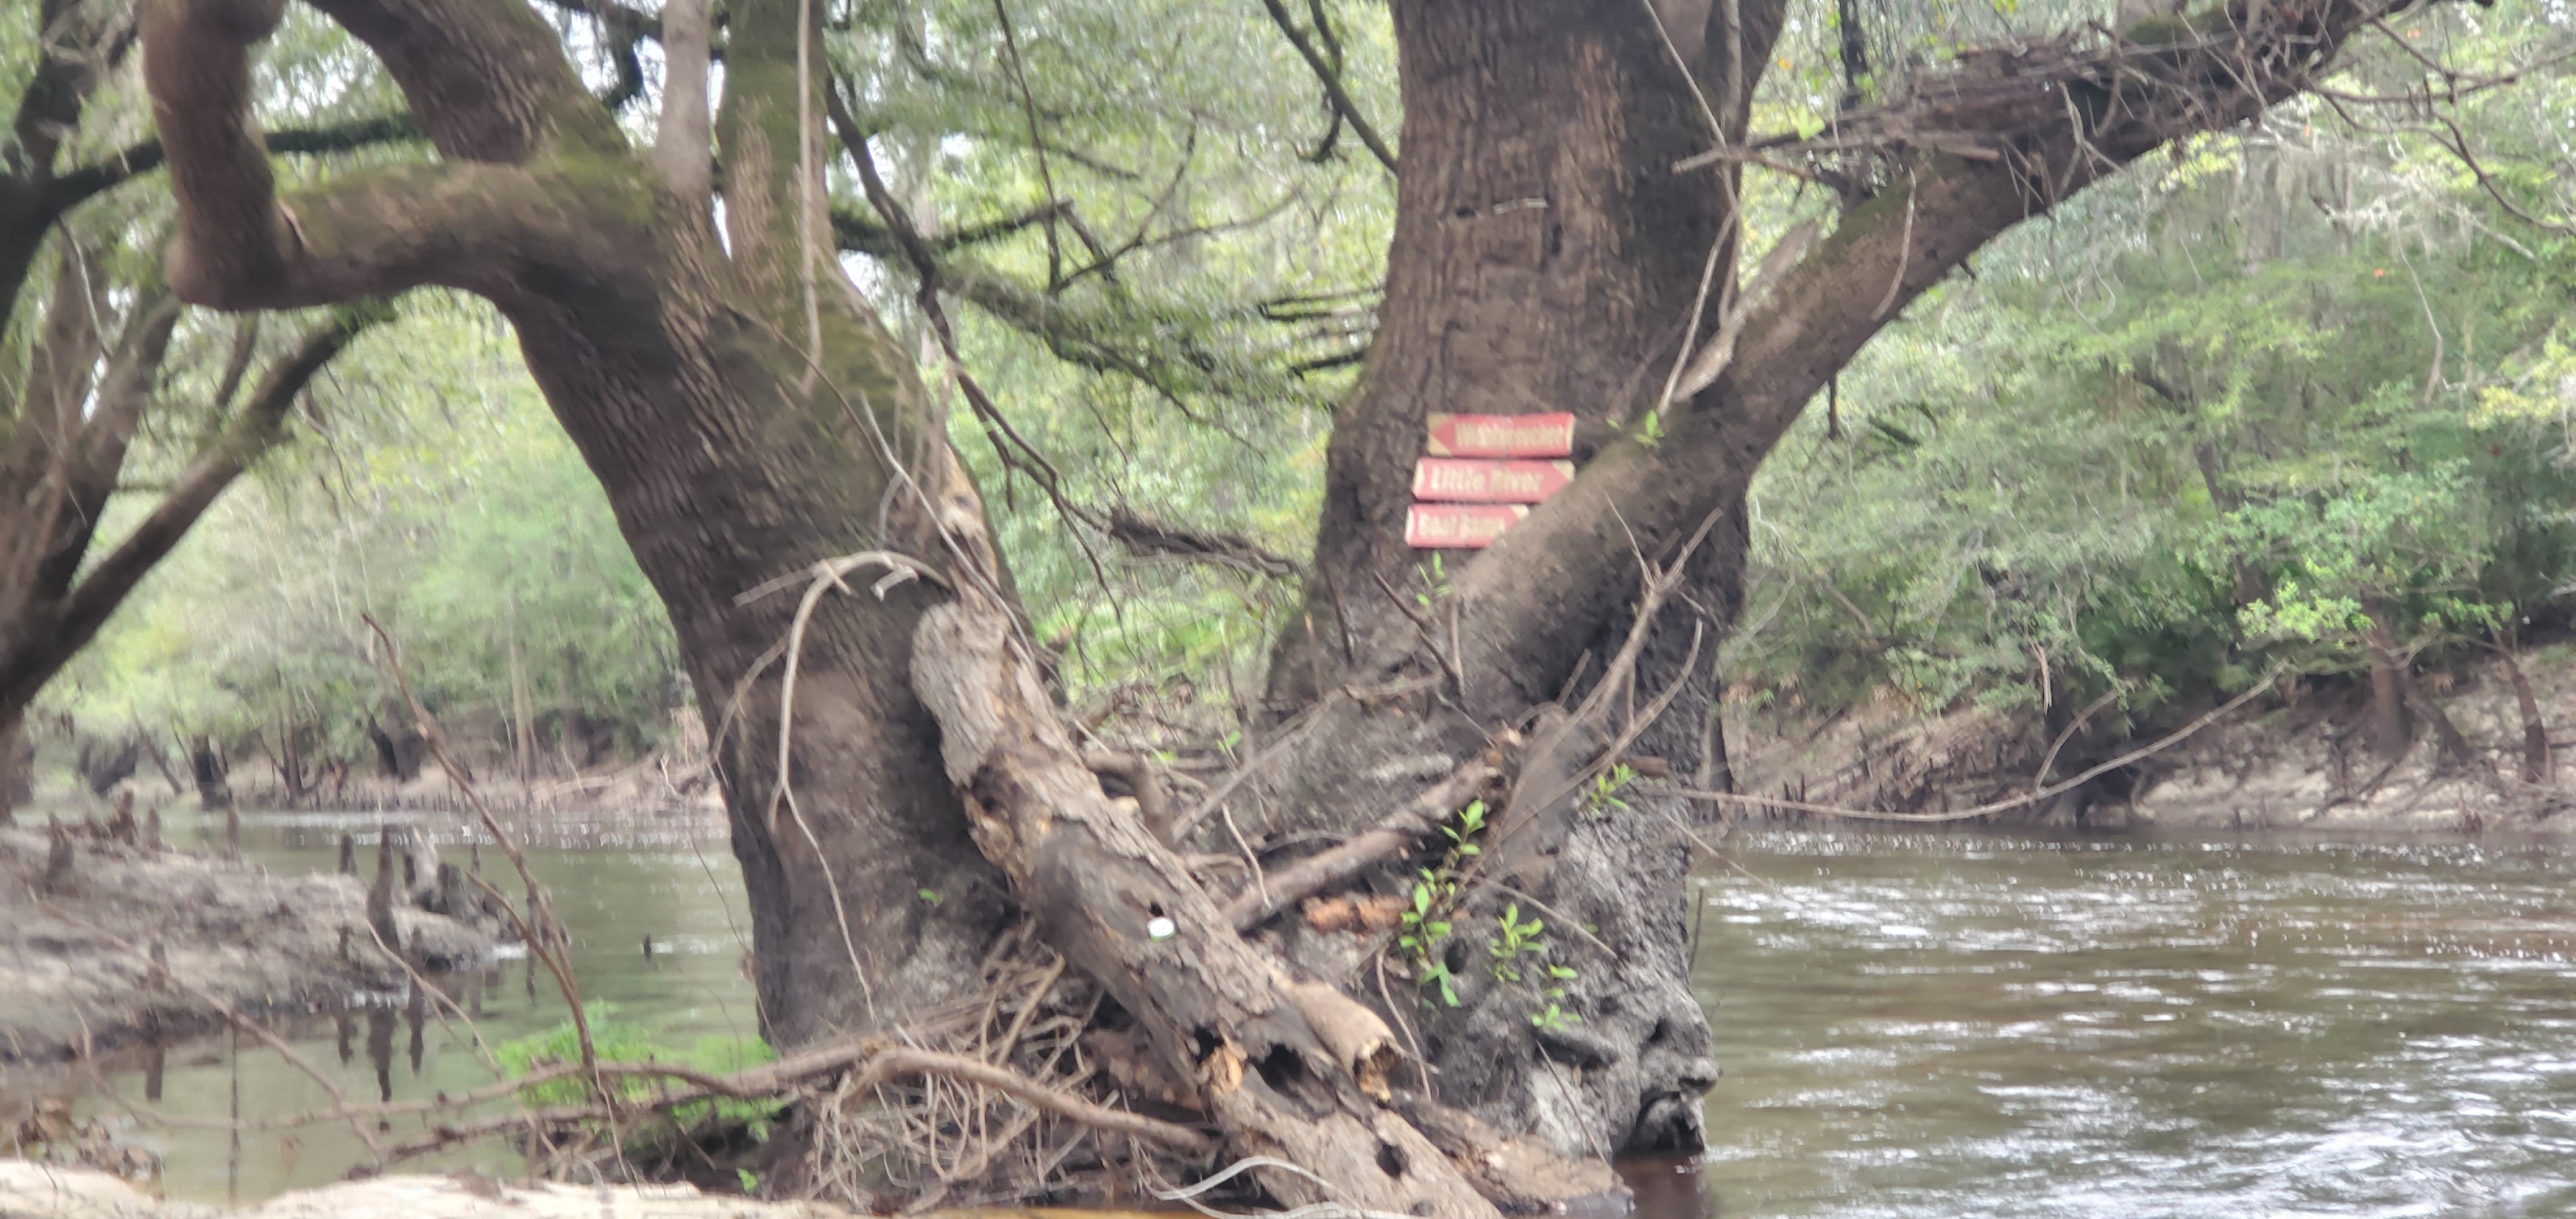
(1545, 259)
(750, 419)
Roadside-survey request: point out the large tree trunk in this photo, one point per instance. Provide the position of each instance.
(1546, 258)
(733, 453)
(750, 419)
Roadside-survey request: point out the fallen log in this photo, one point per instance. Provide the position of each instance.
(1291, 1071)
(1122, 906)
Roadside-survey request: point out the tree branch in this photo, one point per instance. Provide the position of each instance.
(257, 430)
(1420, 817)
(89, 181)
(1066, 332)
(44, 437)
(1979, 151)
(624, 16)
(1145, 537)
(1332, 81)
(681, 143)
(487, 79)
(76, 44)
(133, 372)
(858, 234)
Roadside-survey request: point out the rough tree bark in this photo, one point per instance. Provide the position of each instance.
(750, 420)
(1545, 259)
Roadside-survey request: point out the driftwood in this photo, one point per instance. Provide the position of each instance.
(1291, 1071)
(1400, 831)
(867, 1061)
(1145, 537)
(1120, 904)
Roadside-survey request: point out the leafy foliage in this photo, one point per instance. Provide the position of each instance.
(614, 1040)
(2219, 415)
(438, 495)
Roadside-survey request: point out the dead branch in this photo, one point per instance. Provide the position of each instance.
(1145, 537)
(1333, 91)
(1124, 908)
(541, 945)
(1423, 815)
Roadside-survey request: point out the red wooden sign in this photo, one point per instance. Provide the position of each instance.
(1458, 526)
(1489, 482)
(1501, 435)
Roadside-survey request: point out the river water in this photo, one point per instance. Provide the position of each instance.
(1910, 1025)
(611, 884)
(2006, 1026)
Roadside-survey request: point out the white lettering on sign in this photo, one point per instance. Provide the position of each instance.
(1550, 435)
(1458, 526)
(1490, 482)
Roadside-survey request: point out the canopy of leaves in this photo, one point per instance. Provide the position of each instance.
(2206, 419)
(2205, 422)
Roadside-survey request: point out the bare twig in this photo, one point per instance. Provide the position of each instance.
(1037, 141)
(1189, 821)
(1332, 82)
(1420, 816)
(540, 945)
(877, 1062)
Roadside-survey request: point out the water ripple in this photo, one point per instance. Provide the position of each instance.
(2017, 1025)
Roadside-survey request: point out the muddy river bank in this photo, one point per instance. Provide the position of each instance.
(1909, 1024)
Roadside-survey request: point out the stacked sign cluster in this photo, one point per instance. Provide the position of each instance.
(1480, 477)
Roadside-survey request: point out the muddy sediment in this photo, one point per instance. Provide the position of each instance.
(2304, 760)
(43, 1191)
(79, 930)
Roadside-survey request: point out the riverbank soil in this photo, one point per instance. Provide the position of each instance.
(644, 792)
(2305, 758)
(78, 931)
(44, 1191)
